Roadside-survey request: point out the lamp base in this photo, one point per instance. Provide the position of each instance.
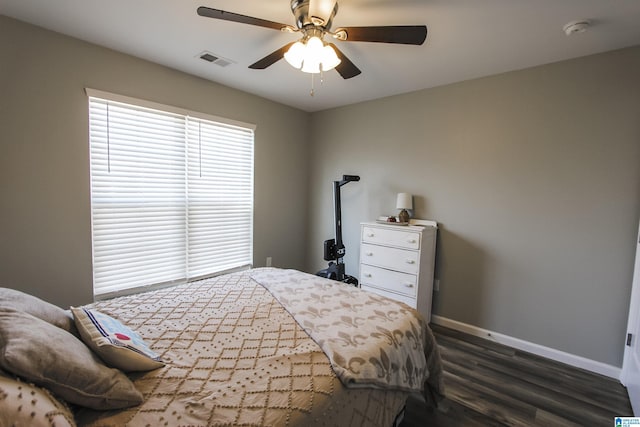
(403, 216)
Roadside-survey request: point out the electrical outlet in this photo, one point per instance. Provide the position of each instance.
(268, 263)
(436, 285)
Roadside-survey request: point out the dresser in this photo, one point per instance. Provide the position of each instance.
(397, 261)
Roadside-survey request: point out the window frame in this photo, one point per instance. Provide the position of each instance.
(188, 117)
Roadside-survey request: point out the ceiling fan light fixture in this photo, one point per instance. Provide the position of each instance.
(314, 47)
(330, 59)
(312, 57)
(311, 65)
(296, 54)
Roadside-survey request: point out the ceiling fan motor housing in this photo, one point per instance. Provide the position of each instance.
(300, 9)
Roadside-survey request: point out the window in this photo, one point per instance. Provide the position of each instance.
(171, 194)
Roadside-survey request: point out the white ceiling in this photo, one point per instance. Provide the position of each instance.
(466, 39)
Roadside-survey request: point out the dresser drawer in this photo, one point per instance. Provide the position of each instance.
(393, 281)
(392, 237)
(410, 301)
(391, 258)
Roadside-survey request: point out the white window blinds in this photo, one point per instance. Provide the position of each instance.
(220, 194)
(171, 195)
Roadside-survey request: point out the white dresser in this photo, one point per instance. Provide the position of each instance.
(397, 261)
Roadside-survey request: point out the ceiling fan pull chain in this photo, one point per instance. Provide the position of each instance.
(312, 88)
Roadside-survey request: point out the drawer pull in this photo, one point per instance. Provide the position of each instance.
(370, 234)
(409, 285)
(369, 253)
(367, 274)
(411, 261)
(411, 240)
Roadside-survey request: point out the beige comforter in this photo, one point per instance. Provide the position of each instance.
(235, 356)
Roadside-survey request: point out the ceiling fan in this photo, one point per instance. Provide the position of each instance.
(313, 20)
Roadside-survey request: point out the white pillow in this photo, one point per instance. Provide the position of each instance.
(118, 345)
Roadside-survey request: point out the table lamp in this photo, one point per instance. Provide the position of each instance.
(404, 202)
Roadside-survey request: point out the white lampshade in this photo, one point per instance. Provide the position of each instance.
(404, 201)
(295, 55)
(329, 58)
(314, 47)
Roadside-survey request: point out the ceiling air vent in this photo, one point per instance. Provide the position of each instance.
(215, 59)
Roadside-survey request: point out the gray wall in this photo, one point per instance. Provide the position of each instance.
(534, 177)
(45, 243)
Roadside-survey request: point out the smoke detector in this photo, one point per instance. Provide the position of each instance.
(576, 27)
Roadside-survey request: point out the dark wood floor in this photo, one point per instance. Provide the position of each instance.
(488, 384)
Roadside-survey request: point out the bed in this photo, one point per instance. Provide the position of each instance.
(264, 347)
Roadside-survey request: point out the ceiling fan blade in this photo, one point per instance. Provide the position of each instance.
(235, 17)
(401, 34)
(345, 68)
(271, 59)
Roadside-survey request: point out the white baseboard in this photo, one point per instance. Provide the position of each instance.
(540, 350)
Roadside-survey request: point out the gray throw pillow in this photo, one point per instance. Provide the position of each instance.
(50, 357)
(20, 301)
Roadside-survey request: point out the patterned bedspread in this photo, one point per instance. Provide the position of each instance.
(235, 356)
(370, 340)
